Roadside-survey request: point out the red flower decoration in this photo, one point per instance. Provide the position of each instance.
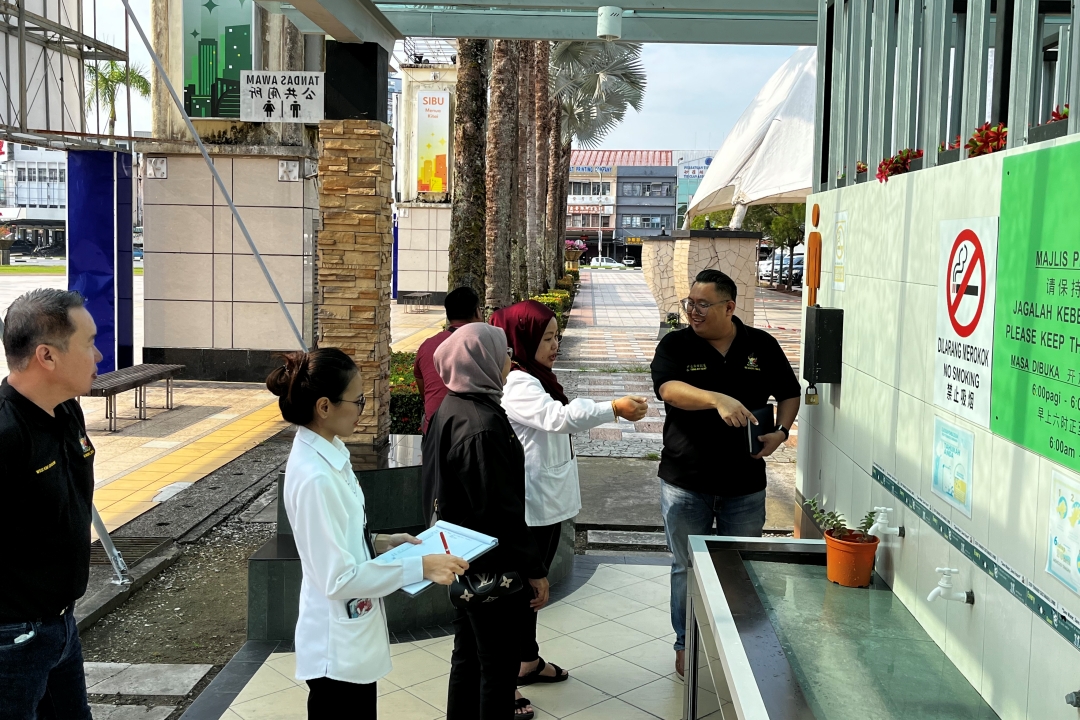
(987, 139)
(860, 166)
(1063, 115)
(942, 147)
(898, 164)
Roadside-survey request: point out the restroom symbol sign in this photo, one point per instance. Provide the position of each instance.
(295, 97)
(966, 283)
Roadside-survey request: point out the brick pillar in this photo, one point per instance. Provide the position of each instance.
(355, 243)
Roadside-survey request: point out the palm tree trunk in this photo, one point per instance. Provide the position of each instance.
(538, 239)
(467, 240)
(557, 268)
(501, 150)
(554, 239)
(522, 171)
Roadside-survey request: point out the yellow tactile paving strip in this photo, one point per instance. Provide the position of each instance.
(133, 494)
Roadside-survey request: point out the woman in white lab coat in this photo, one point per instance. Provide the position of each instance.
(543, 418)
(342, 643)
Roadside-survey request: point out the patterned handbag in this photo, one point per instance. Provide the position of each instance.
(472, 590)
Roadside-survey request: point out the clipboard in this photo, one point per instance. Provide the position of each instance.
(463, 542)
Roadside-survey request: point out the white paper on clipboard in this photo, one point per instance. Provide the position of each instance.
(464, 543)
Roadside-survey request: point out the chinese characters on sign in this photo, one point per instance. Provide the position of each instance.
(1037, 353)
(295, 97)
(965, 318)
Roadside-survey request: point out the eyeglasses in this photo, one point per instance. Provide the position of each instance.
(358, 403)
(699, 309)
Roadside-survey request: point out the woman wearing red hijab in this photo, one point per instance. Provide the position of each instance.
(543, 419)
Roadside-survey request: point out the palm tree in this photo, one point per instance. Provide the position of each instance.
(104, 81)
(523, 169)
(467, 238)
(501, 153)
(541, 104)
(594, 83)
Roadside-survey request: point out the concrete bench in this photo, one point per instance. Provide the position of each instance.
(134, 378)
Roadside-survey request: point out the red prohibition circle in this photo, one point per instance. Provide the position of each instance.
(954, 302)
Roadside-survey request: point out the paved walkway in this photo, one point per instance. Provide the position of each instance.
(613, 322)
(409, 329)
(608, 624)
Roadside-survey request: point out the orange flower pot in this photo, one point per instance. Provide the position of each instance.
(849, 563)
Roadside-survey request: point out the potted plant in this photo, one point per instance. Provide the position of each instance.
(572, 253)
(898, 164)
(949, 152)
(860, 171)
(1052, 128)
(849, 552)
(986, 139)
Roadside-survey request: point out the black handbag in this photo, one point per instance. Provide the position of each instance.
(472, 590)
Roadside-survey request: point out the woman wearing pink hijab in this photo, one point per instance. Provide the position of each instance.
(543, 419)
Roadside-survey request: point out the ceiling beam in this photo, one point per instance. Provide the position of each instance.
(754, 7)
(350, 21)
(698, 27)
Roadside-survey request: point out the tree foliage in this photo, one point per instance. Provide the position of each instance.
(104, 80)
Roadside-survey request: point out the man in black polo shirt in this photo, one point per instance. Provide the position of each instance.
(712, 376)
(47, 486)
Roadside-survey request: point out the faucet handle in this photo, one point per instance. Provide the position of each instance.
(947, 571)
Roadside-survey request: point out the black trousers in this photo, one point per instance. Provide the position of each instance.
(484, 666)
(341, 700)
(547, 540)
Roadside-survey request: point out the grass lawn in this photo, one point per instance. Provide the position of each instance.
(41, 270)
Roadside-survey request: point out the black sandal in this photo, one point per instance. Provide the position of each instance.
(521, 704)
(536, 677)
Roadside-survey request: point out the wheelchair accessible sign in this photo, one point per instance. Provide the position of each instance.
(294, 97)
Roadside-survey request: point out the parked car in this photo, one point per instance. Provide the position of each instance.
(137, 252)
(794, 273)
(628, 261)
(605, 262)
(775, 269)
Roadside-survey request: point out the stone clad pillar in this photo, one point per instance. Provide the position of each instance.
(732, 251)
(355, 243)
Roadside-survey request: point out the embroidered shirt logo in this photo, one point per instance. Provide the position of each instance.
(696, 367)
(752, 363)
(87, 448)
(47, 467)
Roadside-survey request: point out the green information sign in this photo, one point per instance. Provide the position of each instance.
(1035, 400)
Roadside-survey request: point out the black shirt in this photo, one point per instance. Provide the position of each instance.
(702, 453)
(474, 466)
(47, 486)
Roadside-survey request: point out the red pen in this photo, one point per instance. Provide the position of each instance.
(445, 546)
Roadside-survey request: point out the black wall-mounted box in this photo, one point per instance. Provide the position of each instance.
(823, 348)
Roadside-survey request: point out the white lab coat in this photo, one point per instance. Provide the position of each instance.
(543, 424)
(326, 509)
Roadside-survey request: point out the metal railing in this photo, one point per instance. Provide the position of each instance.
(919, 73)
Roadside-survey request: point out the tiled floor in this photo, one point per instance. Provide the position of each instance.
(409, 329)
(613, 322)
(610, 628)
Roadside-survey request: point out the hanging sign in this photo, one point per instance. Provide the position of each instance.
(295, 97)
(964, 344)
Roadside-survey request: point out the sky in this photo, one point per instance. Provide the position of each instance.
(694, 95)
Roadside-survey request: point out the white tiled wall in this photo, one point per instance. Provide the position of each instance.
(204, 288)
(423, 247)
(883, 413)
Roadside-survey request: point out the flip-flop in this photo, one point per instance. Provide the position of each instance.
(521, 704)
(536, 677)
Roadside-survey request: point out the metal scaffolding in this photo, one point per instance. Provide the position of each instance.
(44, 71)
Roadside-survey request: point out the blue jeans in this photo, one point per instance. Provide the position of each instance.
(689, 513)
(41, 677)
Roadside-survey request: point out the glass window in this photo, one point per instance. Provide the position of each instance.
(63, 175)
(31, 174)
(626, 221)
(595, 188)
(666, 190)
(52, 174)
(605, 221)
(637, 190)
(627, 188)
(635, 221)
(606, 189)
(569, 221)
(646, 189)
(20, 174)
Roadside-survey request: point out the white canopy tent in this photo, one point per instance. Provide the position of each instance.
(768, 157)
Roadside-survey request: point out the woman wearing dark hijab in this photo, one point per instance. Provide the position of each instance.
(476, 467)
(544, 418)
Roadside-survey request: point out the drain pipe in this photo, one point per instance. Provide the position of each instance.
(123, 577)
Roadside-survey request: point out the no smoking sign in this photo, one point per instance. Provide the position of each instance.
(963, 352)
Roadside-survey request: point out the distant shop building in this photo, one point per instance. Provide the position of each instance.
(617, 197)
(33, 197)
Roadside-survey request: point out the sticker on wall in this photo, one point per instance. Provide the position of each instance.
(963, 352)
(840, 252)
(954, 453)
(1063, 550)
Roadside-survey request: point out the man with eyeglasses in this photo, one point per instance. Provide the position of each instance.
(712, 376)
